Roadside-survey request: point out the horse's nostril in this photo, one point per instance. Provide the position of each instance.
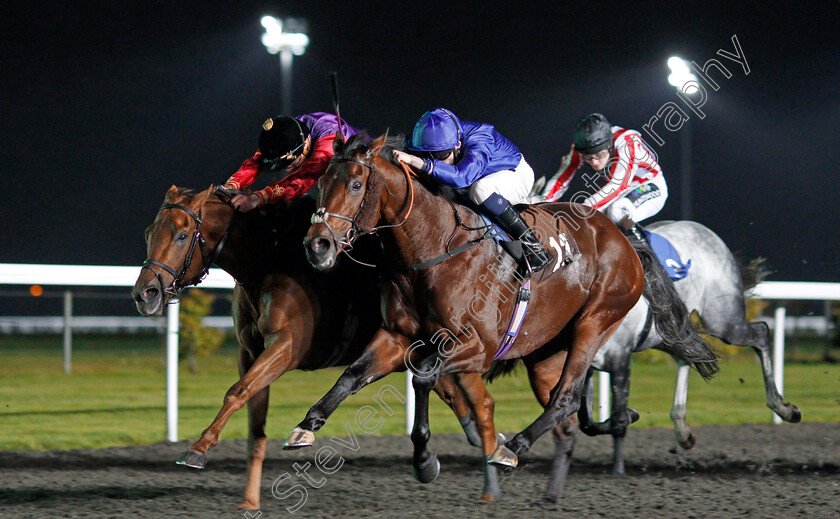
(150, 294)
(320, 245)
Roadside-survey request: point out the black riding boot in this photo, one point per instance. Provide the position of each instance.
(634, 230)
(535, 256)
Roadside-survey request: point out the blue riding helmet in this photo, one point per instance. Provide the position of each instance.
(437, 130)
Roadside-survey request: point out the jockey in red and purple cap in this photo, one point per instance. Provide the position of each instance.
(302, 145)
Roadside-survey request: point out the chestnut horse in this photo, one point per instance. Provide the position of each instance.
(574, 308)
(287, 316)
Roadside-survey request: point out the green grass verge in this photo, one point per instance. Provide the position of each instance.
(116, 395)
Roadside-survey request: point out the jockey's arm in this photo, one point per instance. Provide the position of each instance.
(558, 183)
(246, 174)
(470, 168)
(306, 176)
(618, 175)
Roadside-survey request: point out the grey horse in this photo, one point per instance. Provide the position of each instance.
(714, 288)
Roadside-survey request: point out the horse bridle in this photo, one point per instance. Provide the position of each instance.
(178, 276)
(345, 244)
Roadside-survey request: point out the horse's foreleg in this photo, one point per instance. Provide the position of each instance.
(465, 359)
(585, 415)
(257, 411)
(273, 362)
(425, 464)
(384, 355)
(620, 419)
(448, 391)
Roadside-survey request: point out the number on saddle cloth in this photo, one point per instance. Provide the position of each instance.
(668, 256)
(563, 244)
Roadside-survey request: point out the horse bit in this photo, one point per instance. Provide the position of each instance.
(345, 244)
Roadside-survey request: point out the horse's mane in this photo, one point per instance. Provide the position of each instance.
(284, 217)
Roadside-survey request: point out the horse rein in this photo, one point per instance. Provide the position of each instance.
(345, 244)
(178, 276)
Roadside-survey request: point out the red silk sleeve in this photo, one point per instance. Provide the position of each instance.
(302, 180)
(247, 173)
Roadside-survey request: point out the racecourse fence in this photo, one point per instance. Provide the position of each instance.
(68, 276)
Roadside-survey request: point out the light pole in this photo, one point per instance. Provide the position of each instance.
(680, 75)
(291, 41)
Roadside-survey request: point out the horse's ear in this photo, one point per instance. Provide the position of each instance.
(338, 143)
(171, 194)
(379, 142)
(202, 197)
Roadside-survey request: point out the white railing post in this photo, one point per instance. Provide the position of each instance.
(604, 392)
(779, 354)
(172, 372)
(409, 402)
(68, 331)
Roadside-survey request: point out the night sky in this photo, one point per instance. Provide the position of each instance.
(107, 104)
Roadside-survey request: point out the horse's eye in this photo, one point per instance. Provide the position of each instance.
(182, 236)
(356, 186)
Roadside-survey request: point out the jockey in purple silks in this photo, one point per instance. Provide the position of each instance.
(471, 155)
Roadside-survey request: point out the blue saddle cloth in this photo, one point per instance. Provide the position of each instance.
(667, 256)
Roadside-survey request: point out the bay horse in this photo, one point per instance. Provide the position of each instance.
(286, 315)
(574, 307)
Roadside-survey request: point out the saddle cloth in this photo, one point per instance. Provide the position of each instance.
(557, 241)
(668, 256)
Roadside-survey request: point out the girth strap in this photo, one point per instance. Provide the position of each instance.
(448, 254)
(516, 320)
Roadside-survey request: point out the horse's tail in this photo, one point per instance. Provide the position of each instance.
(680, 336)
(753, 273)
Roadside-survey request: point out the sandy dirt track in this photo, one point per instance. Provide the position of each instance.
(792, 470)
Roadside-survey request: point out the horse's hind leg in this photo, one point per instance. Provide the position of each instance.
(565, 438)
(732, 328)
(448, 391)
(543, 377)
(483, 406)
(685, 436)
(590, 333)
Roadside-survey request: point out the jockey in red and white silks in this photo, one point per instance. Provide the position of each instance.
(625, 179)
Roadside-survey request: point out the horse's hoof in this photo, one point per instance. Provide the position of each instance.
(249, 505)
(796, 415)
(299, 438)
(192, 459)
(689, 442)
(633, 415)
(545, 502)
(503, 457)
(427, 471)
